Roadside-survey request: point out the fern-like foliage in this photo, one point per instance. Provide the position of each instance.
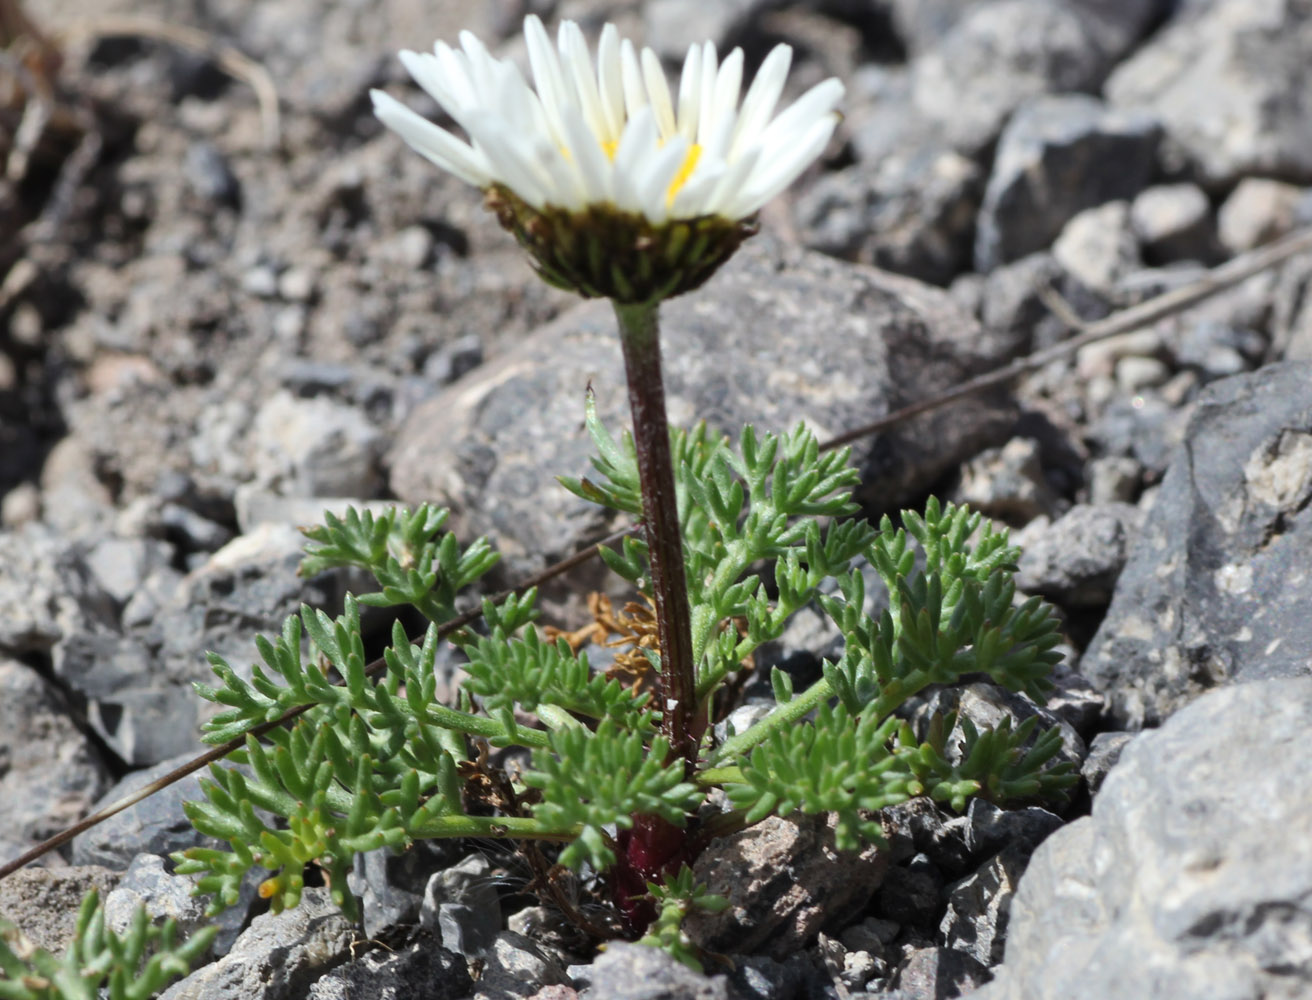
(375, 759)
(100, 963)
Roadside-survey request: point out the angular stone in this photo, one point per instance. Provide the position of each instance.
(635, 972)
(423, 969)
(1191, 879)
(1229, 81)
(1075, 560)
(278, 956)
(979, 907)
(1058, 156)
(43, 902)
(784, 881)
(1216, 588)
(50, 772)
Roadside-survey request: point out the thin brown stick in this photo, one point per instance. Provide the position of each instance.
(1227, 275)
(231, 60)
(1217, 280)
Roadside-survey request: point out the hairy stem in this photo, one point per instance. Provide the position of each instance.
(640, 338)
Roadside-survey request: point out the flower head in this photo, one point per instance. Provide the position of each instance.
(613, 184)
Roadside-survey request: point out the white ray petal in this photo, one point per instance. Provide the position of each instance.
(512, 165)
(811, 107)
(610, 82)
(586, 152)
(658, 89)
(455, 71)
(437, 145)
(657, 174)
(724, 98)
(690, 92)
(547, 74)
(706, 100)
(731, 182)
(762, 96)
(427, 72)
(692, 198)
(578, 65)
(716, 145)
(635, 92)
(776, 172)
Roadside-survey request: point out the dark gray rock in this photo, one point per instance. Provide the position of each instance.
(1216, 588)
(1059, 156)
(996, 57)
(912, 214)
(961, 844)
(784, 881)
(422, 969)
(759, 977)
(1217, 350)
(277, 957)
(1104, 752)
(461, 904)
(1145, 428)
(1174, 222)
(155, 825)
(911, 894)
(1193, 875)
(1014, 311)
(1229, 81)
(50, 772)
(391, 884)
(979, 906)
(1076, 559)
(634, 972)
(736, 352)
(931, 973)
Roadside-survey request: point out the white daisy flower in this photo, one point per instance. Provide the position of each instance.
(608, 133)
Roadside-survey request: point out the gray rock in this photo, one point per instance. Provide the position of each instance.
(1258, 210)
(912, 214)
(1228, 81)
(979, 906)
(735, 353)
(1104, 752)
(48, 594)
(1113, 479)
(759, 977)
(50, 772)
(1192, 877)
(672, 25)
(930, 973)
(1174, 222)
(1098, 247)
(1007, 483)
(1215, 589)
(1075, 560)
(1057, 157)
(155, 825)
(996, 57)
(1014, 311)
(1146, 429)
(43, 902)
(165, 897)
(391, 884)
(1291, 320)
(1217, 350)
(316, 448)
(922, 24)
(911, 894)
(852, 968)
(963, 843)
(634, 972)
(277, 957)
(785, 881)
(422, 969)
(517, 967)
(462, 904)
